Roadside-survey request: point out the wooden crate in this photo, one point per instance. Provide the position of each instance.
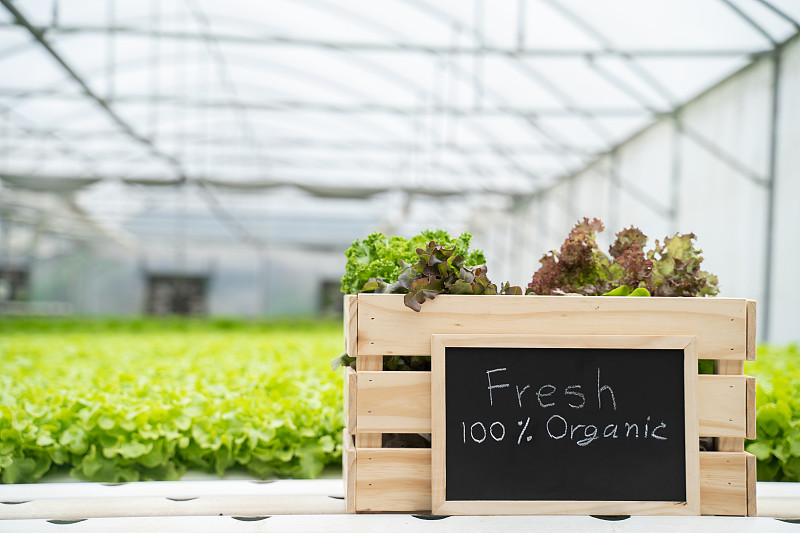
(399, 479)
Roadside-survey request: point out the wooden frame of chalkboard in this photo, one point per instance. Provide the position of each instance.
(491, 480)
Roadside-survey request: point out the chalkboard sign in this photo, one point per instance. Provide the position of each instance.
(564, 425)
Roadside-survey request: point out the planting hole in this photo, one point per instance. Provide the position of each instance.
(66, 522)
(430, 516)
(182, 499)
(611, 518)
(249, 518)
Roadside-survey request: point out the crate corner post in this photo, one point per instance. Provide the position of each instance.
(351, 324)
(349, 471)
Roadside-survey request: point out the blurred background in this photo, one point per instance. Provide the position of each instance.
(217, 158)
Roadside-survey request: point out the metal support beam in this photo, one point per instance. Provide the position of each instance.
(469, 150)
(122, 123)
(643, 197)
(375, 67)
(147, 142)
(598, 156)
(614, 189)
(355, 46)
(155, 36)
(315, 163)
(477, 59)
(524, 68)
(154, 70)
(5, 240)
(623, 86)
(675, 172)
(472, 78)
(571, 107)
(110, 49)
(28, 127)
(522, 17)
(362, 108)
(769, 240)
(230, 221)
(785, 16)
(214, 50)
(607, 45)
(752, 23)
(769, 229)
(722, 155)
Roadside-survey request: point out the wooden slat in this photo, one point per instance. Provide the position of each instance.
(350, 400)
(351, 324)
(723, 483)
(369, 362)
(369, 440)
(393, 479)
(570, 507)
(382, 406)
(728, 443)
(750, 408)
(751, 330)
(730, 368)
(373, 363)
(400, 402)
(400, 480)
(722, 405)
(387, 327)
(397, 402)
(692, 424)
(349, 471)
(752, 508)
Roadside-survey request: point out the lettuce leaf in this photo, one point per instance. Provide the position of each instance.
(380, 257)
(676, 269)
(580, 267)
(438, 270)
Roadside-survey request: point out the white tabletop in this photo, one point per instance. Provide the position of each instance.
(314, 505)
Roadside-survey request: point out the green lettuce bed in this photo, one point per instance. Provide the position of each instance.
(777, 444)
(134, 400)
(142, 400)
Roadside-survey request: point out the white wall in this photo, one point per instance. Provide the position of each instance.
(727, 210)
(784, 311)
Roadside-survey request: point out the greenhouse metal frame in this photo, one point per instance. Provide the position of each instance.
(498, 117)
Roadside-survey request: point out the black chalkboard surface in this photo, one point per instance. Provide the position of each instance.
(571, 421)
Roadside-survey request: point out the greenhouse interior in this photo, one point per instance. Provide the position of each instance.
(195, 194)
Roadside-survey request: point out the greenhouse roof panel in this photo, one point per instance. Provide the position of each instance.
(389, 103)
